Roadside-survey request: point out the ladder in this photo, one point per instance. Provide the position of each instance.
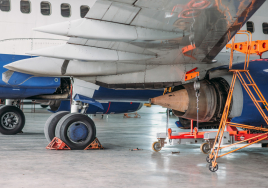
(256, 96)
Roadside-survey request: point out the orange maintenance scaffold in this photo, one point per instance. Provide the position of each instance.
(253, 91)
(257, 47)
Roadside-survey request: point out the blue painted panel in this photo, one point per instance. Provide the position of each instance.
(29, 81)
(259, 72)
(129, 95)
(24, 85)
(6, 59)
(21, 93)
(108, 108)
(87, 100)
(25, 80)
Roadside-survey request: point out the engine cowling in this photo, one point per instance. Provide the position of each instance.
(213, 94)
(182, 100)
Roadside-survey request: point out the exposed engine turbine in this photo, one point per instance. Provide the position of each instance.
(213, 95)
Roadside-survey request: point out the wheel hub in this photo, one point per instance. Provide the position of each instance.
(9, 120)
(77, 132)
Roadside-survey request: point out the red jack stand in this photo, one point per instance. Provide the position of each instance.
(94, 145)
(57, 144)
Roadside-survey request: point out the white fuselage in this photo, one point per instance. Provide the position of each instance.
(17, 35)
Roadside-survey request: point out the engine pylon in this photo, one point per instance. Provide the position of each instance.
(177, 100)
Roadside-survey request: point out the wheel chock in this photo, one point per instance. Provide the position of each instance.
(131, 115)
(94, 145)
(135, 149)
(57, 144)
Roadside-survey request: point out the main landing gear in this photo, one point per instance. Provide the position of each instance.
(12, 119)
(76, 130)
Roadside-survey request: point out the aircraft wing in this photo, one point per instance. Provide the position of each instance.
(166, 37)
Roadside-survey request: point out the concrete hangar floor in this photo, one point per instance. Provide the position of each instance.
(26, 163)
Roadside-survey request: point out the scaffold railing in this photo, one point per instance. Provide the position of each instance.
(251, 88)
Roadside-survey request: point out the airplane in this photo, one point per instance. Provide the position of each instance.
(129, 44)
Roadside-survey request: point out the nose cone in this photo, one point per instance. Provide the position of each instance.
(178, 100)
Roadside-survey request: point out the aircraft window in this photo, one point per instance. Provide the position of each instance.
(265, 28)
(45, 8)
(65, 10)
(25, 6)
(84, 10)
(250, 27)
(5, 5)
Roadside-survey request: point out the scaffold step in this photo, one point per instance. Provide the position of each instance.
(247, 126)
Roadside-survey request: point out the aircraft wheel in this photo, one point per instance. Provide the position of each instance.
(76, 130)
(205, 148)
(156, 146)
(12, 120)
(51, 123)
(213, 169)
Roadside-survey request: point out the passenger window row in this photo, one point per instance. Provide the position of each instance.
(45, 6)
(250, 27)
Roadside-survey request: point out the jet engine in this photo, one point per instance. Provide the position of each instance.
(213, 94)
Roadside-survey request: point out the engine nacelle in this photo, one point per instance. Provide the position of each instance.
(213, 94)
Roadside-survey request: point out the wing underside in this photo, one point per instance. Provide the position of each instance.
(149, 44)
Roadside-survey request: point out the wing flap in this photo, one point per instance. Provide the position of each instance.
(87, 53)
(107, 31)
(118, 12)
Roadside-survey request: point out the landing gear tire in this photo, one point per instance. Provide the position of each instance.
(213, 169)
(12, 120)
(76, 130)
(51, 123)
(156, 146)
(205, 148)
